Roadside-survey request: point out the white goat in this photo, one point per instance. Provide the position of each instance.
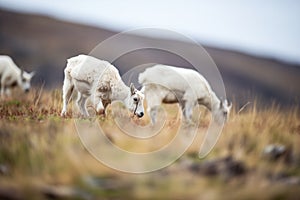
(101, 81)
(168, 84)
(11, 76)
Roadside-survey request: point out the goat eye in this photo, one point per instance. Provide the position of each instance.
(135, 99)
(23, 80)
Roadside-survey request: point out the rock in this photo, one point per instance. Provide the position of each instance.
(289, 158)
(285, 179)
(104, 183)
(207, 168)
(274, 151)
(295, 180)
(234, 167)
(63, 192)
(10, 193)
(4, 170)
(185, 162)
(227, 167)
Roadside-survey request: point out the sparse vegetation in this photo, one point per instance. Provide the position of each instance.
(41, 156)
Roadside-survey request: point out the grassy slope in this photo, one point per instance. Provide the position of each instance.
(41, 153)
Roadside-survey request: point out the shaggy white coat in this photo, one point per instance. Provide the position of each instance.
(11, 75)
(168, 84)
(100, 81)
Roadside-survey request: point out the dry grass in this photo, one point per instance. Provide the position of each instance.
(39, 149)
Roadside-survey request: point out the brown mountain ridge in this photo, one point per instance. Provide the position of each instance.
(43, 44)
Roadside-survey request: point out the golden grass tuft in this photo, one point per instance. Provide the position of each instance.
(38, 147)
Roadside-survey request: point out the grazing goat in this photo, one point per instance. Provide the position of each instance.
(168, 84)
(11, 76)
(101, 81)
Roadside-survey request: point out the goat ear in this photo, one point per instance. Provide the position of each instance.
(143, 89)
(225, 103)
(229, 104)
(132, 89)
(22, 72)
(32, 74)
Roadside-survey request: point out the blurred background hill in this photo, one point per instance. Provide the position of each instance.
(43, 44)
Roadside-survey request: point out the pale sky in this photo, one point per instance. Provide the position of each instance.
(268, 28)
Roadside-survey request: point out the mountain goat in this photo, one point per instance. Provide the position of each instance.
(11, 76)
(101, 81)
(168, 84)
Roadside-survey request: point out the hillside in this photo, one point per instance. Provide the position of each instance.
(43, 44)
(42, 157)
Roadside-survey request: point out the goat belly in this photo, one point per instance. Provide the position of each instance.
(171, 98)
